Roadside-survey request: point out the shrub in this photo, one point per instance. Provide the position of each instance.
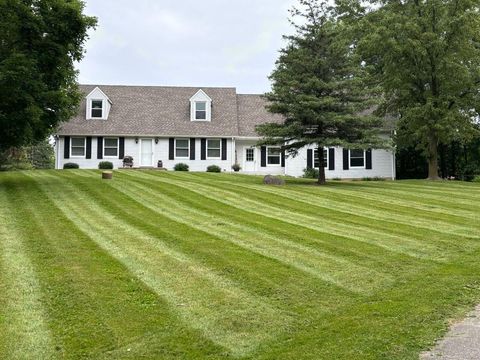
(214, 169)
(236, 167)
(71, 166)
(310, 173)
(468, 172)
(181, 167)
(105, 165)
(376, 178)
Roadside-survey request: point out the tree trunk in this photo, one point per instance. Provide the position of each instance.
(321, 167)
(433, 158)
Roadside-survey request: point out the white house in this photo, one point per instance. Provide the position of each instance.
(199, 127)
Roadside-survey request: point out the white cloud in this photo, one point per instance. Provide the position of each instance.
(185, 42)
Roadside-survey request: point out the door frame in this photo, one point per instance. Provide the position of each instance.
(141, 148)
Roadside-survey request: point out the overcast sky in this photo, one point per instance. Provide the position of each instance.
(185, 42)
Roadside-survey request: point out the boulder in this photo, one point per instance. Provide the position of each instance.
(273, 180)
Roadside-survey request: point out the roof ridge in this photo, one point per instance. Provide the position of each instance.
(163, 86)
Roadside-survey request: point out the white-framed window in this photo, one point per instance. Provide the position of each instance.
(97, 109)
(274, 156)
(182, 148)
(316, 159)
(200, 111)
(357, 159)
(214, 149)
(110, 147)
(78, 146)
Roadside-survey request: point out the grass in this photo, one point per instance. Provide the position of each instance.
(217, 266)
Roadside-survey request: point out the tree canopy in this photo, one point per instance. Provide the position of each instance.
(319, 86)
(40, 40)
(426, 57)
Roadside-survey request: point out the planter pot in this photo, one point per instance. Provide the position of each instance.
(107, 175)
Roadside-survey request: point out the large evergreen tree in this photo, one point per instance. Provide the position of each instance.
(318, 85)
(39, 42)
(426, 56)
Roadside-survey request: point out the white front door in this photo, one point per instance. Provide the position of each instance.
(250, 159)
(146, 152)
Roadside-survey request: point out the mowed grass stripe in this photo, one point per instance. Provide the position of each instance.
(334, 245)
(355, 214)
(461, 190)
(25, 332)
(96, 308)
(423, 203)
(208, 302)
(392, 242)
(406, 224)
(327, 267)
(347, 193)
(366, 190)
(248, 269)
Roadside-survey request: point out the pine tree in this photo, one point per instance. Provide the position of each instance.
(320, 89)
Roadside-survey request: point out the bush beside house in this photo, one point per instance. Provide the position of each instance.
(181, 167)
(105, 165)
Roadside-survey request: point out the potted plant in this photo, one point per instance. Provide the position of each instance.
(236, 167)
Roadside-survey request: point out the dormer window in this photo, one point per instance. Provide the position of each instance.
(98, 105)
(200, 107)
(97, 109)
(200, 110)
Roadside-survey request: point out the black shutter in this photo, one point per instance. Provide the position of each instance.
(331, 159)
(121, 148)
(192, 149)
(88, 151)
(224, 149)
(66, 148)
(283, 158)
(368, 160)
(100, 148)
(171, 149)
(264, 156)
(203, 149)
(309, 159)
(345, 160)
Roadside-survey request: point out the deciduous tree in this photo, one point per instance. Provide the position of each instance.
(39, 42)
(426, 57)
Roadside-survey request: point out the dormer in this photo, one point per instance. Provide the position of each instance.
(200, 107)
(98, 105)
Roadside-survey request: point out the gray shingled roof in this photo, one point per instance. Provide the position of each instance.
(252, 112)
(165, 111)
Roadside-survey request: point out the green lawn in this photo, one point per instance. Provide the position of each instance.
(212, 266)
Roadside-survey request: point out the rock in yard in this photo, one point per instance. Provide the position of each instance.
(273, 180)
